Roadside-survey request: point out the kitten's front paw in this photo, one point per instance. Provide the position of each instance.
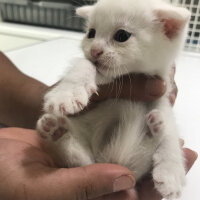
(155, 122)
(169, 180)
(68, 98)
(52, 128)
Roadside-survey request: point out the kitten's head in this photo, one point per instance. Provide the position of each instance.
(127, 36)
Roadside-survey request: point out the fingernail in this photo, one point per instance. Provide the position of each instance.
(123, 183)
(155, 87)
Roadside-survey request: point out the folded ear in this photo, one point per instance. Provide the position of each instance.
(84, 11)
(173, 19)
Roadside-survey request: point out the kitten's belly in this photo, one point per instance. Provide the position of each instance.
(131, 146)
(118, 134)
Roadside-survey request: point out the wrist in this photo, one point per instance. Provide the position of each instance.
(30, 97)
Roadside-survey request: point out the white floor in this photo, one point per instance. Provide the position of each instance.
(14, 36)
(11, 42)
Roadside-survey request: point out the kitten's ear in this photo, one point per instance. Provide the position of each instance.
(173, 19)
(84, 11)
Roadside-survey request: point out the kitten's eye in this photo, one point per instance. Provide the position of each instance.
(122, 35)
(92, 33)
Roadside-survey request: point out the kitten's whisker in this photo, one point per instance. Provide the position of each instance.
(130, 89)
(111, 58)
(118, 88)
(121, 81)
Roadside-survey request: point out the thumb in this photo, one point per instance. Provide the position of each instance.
(146, 88)
(136, 87)
(83, 182)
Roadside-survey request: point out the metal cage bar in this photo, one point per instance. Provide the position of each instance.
(193, 37)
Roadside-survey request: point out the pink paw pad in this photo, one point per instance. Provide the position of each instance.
(49, 126)
(154, 121)
(157, 127)
(58, 133)
(151, 118)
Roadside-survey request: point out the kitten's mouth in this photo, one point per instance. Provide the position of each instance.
(100, 66)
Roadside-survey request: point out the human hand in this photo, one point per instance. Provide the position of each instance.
(137, 87)
(174, 92)
(27, 172)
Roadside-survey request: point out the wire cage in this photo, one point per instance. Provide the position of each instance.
(193, 37)
(49, 13)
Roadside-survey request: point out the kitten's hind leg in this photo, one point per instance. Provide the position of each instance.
(168, 171)
(168, 162)
(155, 122)
(59, 141)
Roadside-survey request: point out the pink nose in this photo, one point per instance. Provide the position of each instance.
(96, 53)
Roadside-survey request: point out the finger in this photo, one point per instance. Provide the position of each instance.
(172, 99)
(123, 195)
(83, 183)
(191, 157)
(173, 94)
(146, 190)
(136, 87)
(173, 72)
(148, 88)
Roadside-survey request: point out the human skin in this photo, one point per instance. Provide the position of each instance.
(27, 172)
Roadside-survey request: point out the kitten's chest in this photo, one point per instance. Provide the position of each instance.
(123, 139)
(113, 119)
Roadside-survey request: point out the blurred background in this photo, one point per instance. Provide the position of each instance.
(23, 21)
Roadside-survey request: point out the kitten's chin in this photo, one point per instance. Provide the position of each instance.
(107, 73)
(104, 69)
(100, 66)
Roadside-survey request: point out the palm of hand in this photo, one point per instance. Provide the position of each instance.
(28, 172)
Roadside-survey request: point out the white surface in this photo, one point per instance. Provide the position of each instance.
(36, 31)
(11, 42)
(47, 61)
(187, 110)
(13, 36)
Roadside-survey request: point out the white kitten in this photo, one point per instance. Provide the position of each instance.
(123, 36)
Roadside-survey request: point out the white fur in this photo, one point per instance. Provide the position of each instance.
(120, 131)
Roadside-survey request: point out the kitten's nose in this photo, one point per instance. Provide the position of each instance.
(95, 53)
